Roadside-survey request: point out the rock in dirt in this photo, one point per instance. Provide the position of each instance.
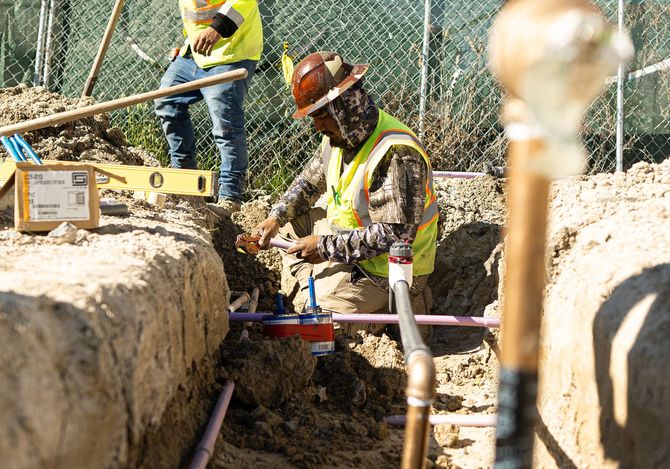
(63, 233)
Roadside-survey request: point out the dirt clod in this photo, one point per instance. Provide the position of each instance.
(268, 372)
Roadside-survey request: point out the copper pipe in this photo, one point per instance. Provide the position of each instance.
(420, 394)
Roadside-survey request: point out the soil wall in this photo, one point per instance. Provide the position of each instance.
(605, 356)
(99, 335)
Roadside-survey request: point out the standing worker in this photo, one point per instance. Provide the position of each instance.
(221, 36)
(380, 191)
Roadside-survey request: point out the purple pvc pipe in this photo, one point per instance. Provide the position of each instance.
(421, 319)
(456, 174)
(487, 420)
(280, 244)
(206, 446)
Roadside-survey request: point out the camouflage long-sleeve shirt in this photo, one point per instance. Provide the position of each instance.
(396, 205)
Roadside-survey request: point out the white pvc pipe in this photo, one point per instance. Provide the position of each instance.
(239, 302)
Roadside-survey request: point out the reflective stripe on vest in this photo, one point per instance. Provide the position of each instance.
(245, 43)
(204, 11)
(348, 199)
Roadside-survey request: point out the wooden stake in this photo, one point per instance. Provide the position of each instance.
(80, 113)
(102, 50)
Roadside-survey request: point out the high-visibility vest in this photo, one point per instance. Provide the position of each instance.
(245, 43)
(348, 192)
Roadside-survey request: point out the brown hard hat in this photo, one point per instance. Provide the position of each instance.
(320, 78)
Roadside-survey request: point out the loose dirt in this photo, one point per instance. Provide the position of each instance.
(333, 415)
(89, 139)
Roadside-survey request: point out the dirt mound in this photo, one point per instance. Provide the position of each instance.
(113, 337)
(268, 372)
(604, 391)
(310, 411)
(101, 333)
(89, 139)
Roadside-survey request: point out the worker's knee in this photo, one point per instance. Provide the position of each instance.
(168, 110)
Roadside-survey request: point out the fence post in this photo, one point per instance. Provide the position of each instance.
(39, 50)
(619, 97)
(424, 66)
(48, 48)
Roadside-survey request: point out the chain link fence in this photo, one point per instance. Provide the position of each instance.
(462, 100)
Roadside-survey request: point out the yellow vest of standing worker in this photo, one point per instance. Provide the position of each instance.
(245, 43)
(348, 192)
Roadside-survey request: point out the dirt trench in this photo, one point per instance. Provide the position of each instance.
(116, 350)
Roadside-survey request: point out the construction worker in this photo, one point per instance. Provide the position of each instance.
(379, 187)
(221, 36)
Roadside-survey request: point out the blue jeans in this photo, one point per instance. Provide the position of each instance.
(224, 102)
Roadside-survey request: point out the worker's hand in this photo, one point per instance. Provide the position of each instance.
(205, 41)
(267, 229)
(307, 248)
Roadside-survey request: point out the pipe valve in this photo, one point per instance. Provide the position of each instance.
(400, 264)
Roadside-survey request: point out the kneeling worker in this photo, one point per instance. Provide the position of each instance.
(380, 190)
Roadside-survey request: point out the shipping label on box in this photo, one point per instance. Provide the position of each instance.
(47, 195)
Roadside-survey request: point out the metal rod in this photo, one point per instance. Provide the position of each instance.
(421, 319)
(424, 66)
(421, 380)
(487, 420)
(39, 50)
(102, 50)
(86, 111)
(205, 448)
(619, 97)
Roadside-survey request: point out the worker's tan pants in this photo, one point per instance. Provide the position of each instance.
(335, 290)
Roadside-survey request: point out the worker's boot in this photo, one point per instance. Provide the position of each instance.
(224, 208)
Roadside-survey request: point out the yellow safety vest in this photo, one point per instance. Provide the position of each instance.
(348, 192)
(245, 43)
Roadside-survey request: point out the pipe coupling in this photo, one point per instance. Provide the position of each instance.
(421, 376)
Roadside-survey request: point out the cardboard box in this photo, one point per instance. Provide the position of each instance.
(50, 194)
